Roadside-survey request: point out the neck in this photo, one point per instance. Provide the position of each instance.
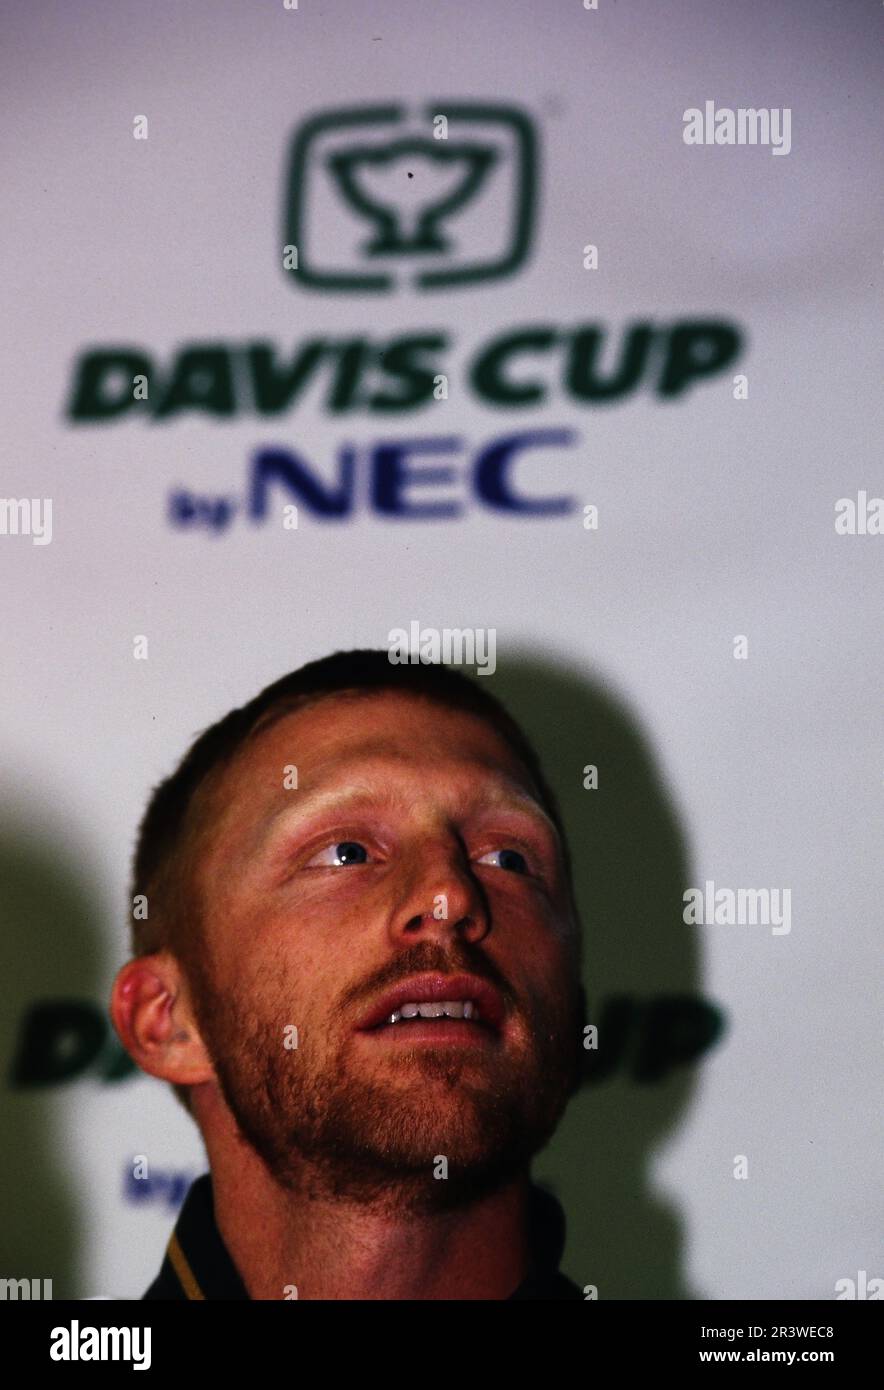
(331, 1247)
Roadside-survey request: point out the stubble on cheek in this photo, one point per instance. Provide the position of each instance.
(344, 1116)
(331, 1118)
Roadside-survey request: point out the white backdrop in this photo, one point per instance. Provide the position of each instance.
(716, 518)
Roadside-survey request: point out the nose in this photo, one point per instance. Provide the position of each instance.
(444, 900)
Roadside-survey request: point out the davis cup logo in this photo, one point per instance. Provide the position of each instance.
(377, 197)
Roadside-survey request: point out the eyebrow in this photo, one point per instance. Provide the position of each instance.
(503, 794)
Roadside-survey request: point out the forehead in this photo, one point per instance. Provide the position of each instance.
(372, 739)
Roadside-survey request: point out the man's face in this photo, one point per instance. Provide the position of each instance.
(413, 847)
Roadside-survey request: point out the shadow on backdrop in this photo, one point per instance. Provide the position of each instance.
(641, 974)
(50, 930)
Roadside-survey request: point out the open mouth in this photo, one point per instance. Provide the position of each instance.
(455, 1021)
(441, 1008)
(434, 1032)
(466, 1009)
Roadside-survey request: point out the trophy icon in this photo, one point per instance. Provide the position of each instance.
(406, 189)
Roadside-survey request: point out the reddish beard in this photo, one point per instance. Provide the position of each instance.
(326, 1120)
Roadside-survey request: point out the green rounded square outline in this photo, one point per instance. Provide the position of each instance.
(523, 221)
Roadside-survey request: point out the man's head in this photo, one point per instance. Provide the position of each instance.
(356, 826)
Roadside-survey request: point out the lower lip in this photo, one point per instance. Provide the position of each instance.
(438, 1031)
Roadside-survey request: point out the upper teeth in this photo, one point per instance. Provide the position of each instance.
(453, 1008)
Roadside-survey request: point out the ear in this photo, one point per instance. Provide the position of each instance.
(152, 1014)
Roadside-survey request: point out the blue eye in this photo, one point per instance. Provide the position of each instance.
(510, 859)
(345, 852)
(348, 852)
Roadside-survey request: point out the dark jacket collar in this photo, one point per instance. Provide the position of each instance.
(197, 1265)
